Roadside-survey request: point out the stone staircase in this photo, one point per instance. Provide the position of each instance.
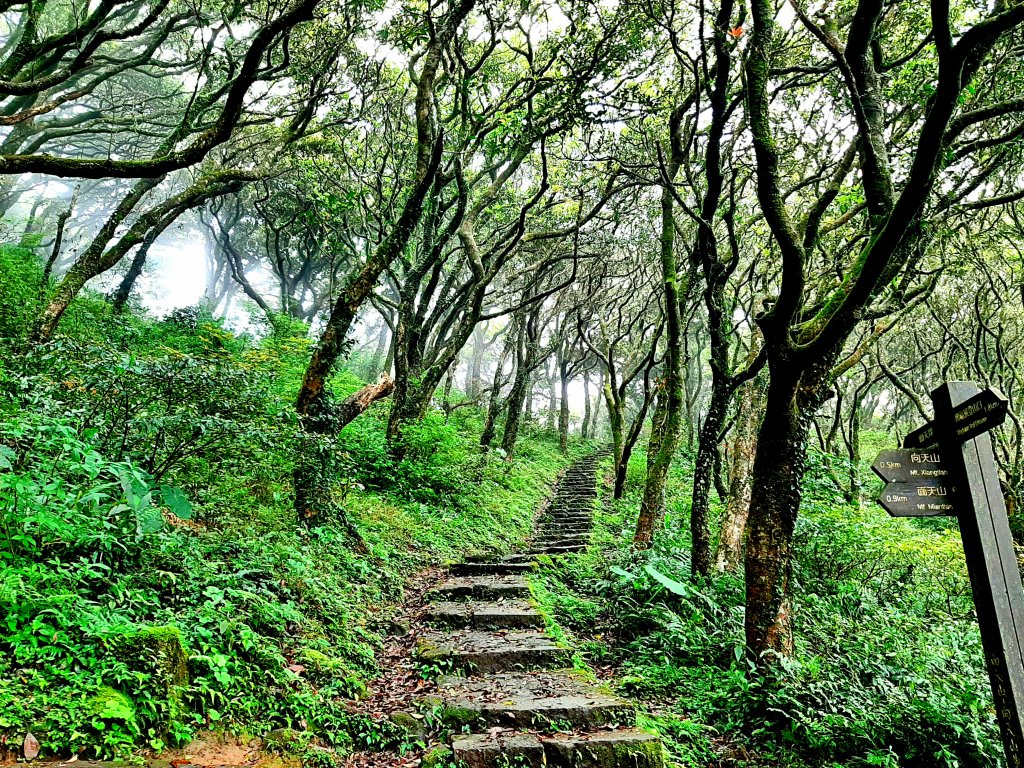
(520, 703)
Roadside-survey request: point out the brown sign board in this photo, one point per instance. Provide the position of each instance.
(918, 499)
(985, 411)
(905, 466)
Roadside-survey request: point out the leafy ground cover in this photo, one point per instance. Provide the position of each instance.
(154, 582)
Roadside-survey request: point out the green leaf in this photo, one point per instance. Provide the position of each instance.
(673, 586)
(622, 572)
(176, 501)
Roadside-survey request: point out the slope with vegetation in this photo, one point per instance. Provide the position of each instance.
(146, 512)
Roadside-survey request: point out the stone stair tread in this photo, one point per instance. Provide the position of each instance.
(491, 750)
(495, 568)
(491, 651)
(569, 550)
(527, 699)
(500, 613)
(481, 586)
(574, 537)
(613, 748)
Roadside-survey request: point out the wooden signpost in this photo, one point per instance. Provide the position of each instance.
(948, 467)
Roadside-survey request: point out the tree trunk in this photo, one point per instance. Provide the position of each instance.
(552, 418)
(494, 401)
(703, 475)
(585, 426)
(779, 466)
(474, 379)
(734, 518)
(563, 407)
(595, 416)
(667, 425)
(356, 403)
(381, 351)
(514, 413)
(58, 242)
(124, 290)
(651, 508)
(617, 419)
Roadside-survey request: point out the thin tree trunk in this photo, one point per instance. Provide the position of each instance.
(667, 429)
(563, 407)
(58, 242)
(379, 354)
(744, 445)
(124, 290)
(552, 397)
(585, 427)
(703, 475)
(513, 416)
(474, 379)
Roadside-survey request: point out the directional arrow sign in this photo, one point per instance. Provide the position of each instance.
(983, 412)
(926, 498)
(922, 438)
(908, 466)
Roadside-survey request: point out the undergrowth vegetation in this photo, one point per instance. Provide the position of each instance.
(154, 581)
(887, 669)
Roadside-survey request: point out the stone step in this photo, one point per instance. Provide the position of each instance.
(487, 652)
(486, 587)
(539, 700)
(494, 568)
(496, 614)
(566, 550)
(556, 542)
(586, 521)
(561, 524)
(620, 748)
(563, 530)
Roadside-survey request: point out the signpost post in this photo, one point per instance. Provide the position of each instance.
(948, 467)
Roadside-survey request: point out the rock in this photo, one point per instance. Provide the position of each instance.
(111, 704)
(399, 628)
(155, 650)
(493, 614)
(536, 700)
(282, 739)
(481, 587)
(412, 725)
(605, 749)
(438, 757)
(491, 651)
(494, 749)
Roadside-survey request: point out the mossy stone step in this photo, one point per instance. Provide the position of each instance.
(487, 652)
(551, 537)
(492, 614)
(537, 700)
(499, 750)
(620, 748)
(552, 551)
(493, 568)
(585, 522)
(483, 587)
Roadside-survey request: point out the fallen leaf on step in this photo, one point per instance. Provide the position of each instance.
(30, 747)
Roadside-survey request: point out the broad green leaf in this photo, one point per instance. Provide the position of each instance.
(176, 501)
